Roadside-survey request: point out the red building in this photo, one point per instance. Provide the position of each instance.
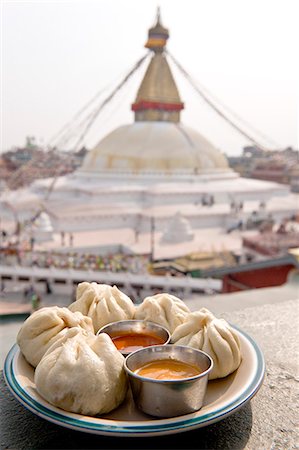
(254, 275)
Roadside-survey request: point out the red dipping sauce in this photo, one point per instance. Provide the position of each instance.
(130, 342)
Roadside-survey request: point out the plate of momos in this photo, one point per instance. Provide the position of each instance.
(62, 370)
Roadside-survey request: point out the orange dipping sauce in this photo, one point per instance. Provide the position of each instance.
(130, 342)
(167, 369)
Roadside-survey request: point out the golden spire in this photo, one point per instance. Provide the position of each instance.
(157, 35)
(158, 98)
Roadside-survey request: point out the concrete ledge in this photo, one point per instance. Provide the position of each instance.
(267, 421)
(12, 309)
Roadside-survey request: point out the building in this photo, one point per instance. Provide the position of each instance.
(280, 166)
(20, 167)
(142, 174)
(257, 274)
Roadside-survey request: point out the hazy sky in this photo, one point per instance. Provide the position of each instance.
(56, 55)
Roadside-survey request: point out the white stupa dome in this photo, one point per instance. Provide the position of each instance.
(154, 147)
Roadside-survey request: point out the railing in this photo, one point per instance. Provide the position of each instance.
(130, 282)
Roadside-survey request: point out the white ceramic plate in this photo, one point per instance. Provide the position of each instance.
(223, 397)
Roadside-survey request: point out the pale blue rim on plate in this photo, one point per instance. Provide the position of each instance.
(141, 428)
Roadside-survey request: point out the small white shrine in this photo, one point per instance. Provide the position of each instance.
(177, 231)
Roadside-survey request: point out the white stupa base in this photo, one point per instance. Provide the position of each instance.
(176, 239)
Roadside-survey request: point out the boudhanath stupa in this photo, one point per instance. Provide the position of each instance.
(152, 169)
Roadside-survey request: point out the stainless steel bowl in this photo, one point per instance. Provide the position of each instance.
(120, 327)
(168, 398)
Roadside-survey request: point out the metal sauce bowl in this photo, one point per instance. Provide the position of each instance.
(168, 398)
(120, 327)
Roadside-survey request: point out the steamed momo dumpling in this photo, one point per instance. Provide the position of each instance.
(164, 309)
(102, 303)
(203, 331)
(44, 327)
(84, 375)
